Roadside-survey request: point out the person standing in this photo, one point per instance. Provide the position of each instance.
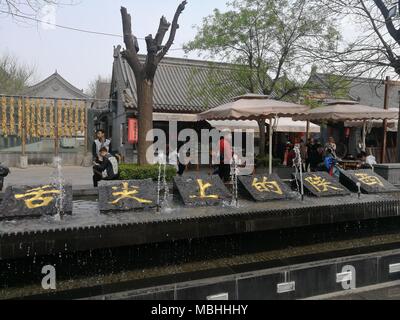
(313, 156)
(303, 154)
(225, 157)
(331, 147)
(99, 143)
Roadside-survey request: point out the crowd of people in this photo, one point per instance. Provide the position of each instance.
(315, 157)
(106, 162)
(318, 157)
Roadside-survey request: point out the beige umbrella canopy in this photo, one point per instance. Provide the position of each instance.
(346, 111)
(342, 111)
(253, 107)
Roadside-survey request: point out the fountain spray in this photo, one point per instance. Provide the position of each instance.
(162, 179)
(298, 164)
(234, 178)
(58, 181)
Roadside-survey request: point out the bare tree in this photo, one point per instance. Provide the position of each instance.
(14, 76)
(26, 6)
(145, 72)
(93, 85)
(376, 50)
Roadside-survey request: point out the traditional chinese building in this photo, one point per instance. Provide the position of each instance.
(367, 91)
(182, 90)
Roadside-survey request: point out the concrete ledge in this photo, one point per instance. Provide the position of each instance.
(390, 171)
(82, 232)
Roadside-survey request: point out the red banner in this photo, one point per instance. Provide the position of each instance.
(132, 131)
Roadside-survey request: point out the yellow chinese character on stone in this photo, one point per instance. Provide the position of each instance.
(203, 191)
(369, 180)
(320, 184)
(39, 197)
(267, 186)
(126, 192)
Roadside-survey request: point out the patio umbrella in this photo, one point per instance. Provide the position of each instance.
(255, 107)
(285, 125)
(343, 111)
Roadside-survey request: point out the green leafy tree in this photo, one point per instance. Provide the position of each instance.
(268, 42)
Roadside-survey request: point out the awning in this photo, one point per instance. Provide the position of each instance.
(341, 111)
(178, 117)
(253, 107)
(285, 125)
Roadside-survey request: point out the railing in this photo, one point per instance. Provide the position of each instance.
(29, 119)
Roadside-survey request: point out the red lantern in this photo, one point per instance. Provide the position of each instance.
(132, 131)
(347, 132)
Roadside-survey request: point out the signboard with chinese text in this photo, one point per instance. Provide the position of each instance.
(321, 184)
(127, 195)
(264, 187)
(201, 190)
(35, 201)
(370, 182)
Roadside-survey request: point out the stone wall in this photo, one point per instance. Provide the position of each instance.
(12, 159)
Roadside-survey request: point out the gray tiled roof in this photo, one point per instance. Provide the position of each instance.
(178, 83)
(367, 91)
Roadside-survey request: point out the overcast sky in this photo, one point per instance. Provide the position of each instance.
(80, 57)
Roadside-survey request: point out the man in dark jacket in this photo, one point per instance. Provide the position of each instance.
(105, 167)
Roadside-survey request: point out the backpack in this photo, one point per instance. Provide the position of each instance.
(4, 171)
(114, 164)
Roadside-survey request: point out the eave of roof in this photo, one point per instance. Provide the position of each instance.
(57, 76)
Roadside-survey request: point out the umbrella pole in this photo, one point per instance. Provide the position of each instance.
(271, 132)
(364, 136)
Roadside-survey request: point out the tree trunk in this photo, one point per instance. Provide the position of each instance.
(145, 89)
(261, 125)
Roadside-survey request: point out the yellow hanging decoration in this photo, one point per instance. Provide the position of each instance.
(44, 118)
(12, 116)
(59, 118)
(66, 131)
(27, 117)
(76, 118)
(39, 128)
(33, 119)
(20, 116)
(4, 116)
(51, 121)
(71, 119)
(83, 120)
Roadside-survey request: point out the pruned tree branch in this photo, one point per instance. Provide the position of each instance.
(174, 28)
(132, 48)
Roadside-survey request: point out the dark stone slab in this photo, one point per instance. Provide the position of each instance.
(201, 190)
(321, 184)
(34, 201)
(385, 274)
(205, 292)
(314, 281)
(264, 187)
(365, 273)
(369, 180)
(127, 195)
(263, 288)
